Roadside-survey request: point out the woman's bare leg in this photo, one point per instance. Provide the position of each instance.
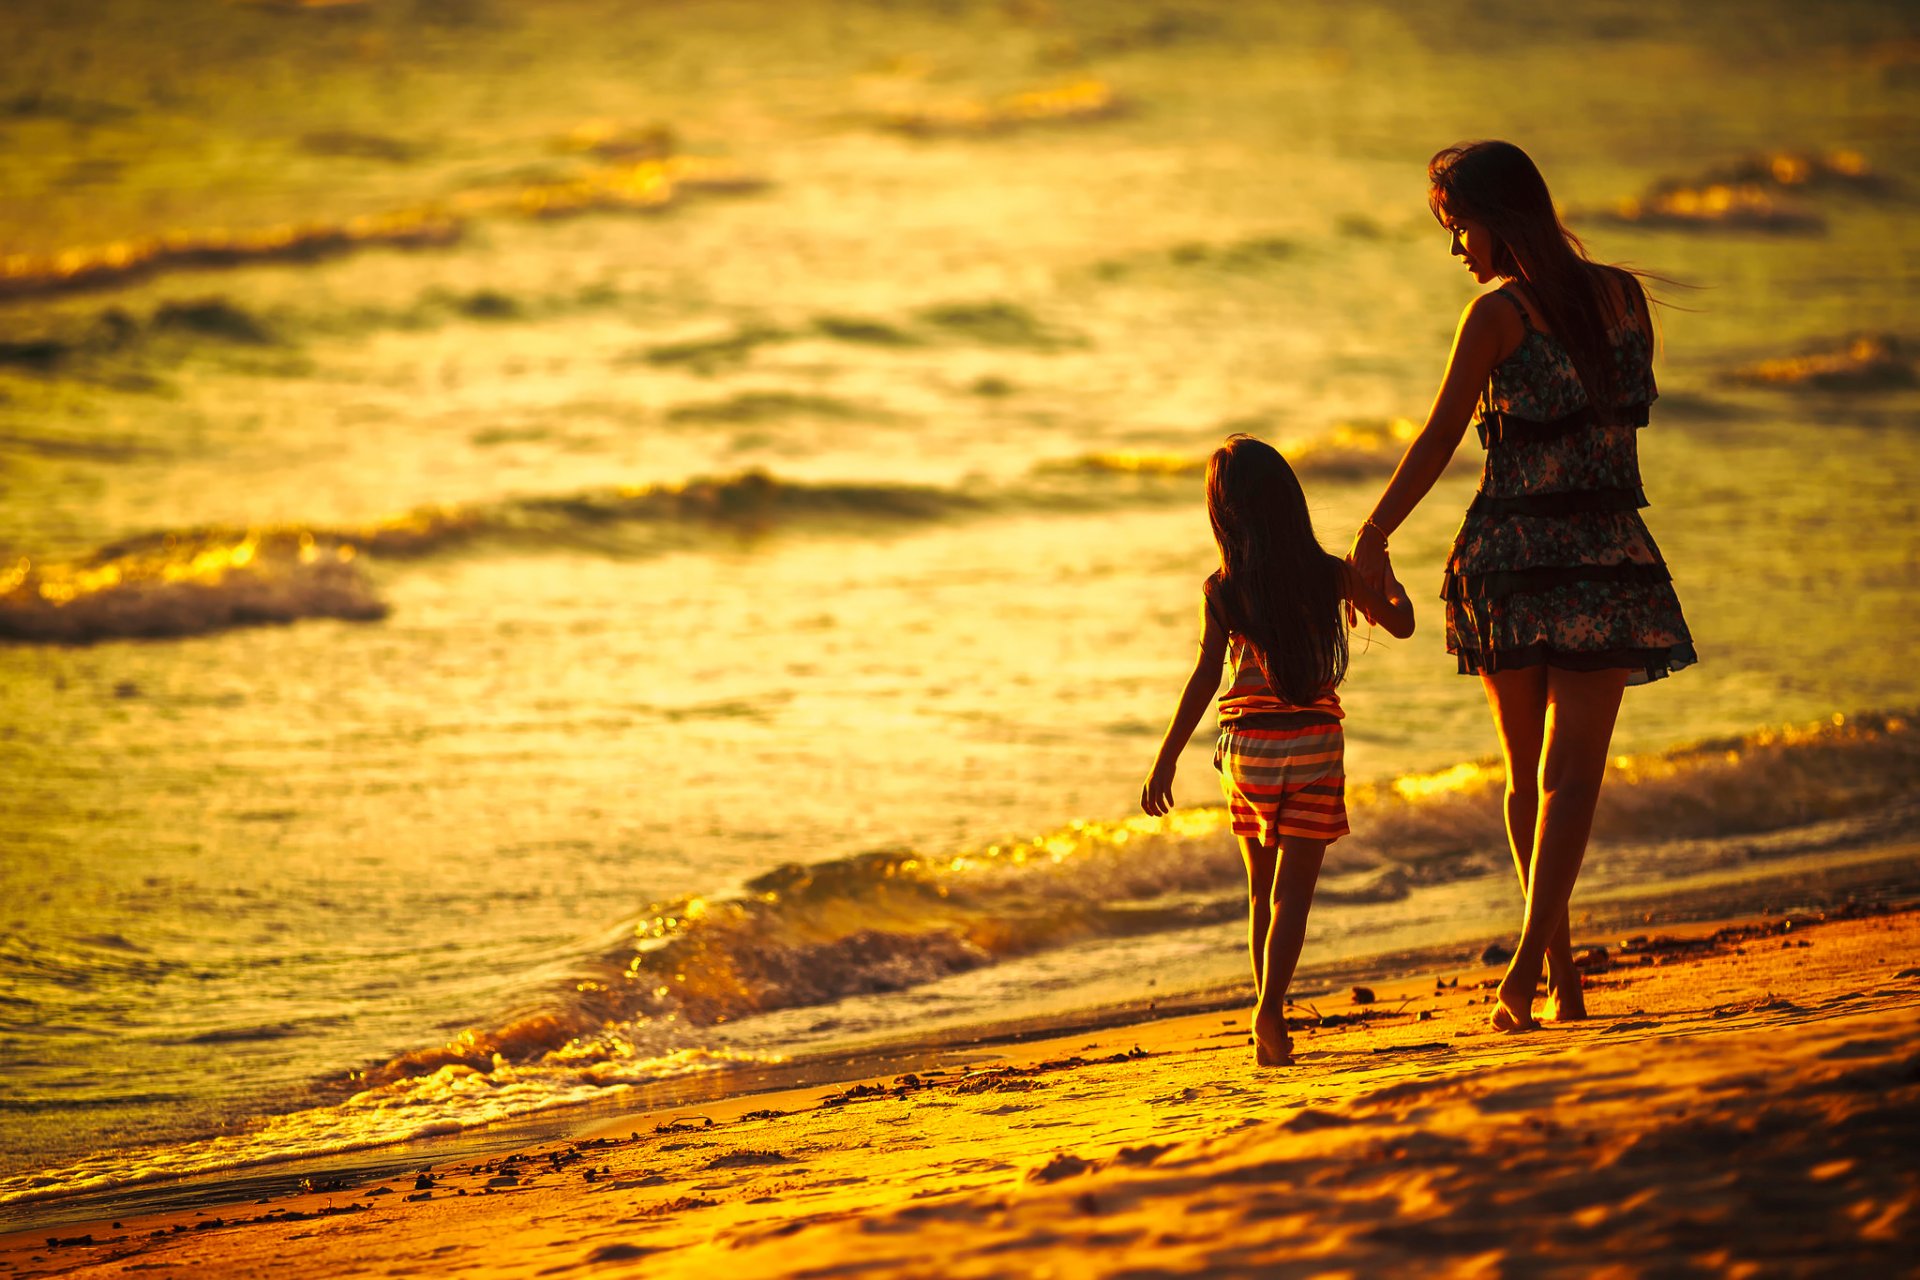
(1519, 703)
(1580, 714)
(1294, 879)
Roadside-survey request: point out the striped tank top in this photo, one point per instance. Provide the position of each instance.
(1248, 695)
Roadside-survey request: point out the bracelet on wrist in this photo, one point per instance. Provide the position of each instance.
(1368, 523)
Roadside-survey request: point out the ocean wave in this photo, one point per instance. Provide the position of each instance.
(1079, 101)
(116, 332)
(185, 585)
(1864, 362)
(644, 185)
(878, 922)
(1762, 192)
(190, 582)
(993, 322)
(651, 1007)
(451, 1099)
(126, 261)
(1236, 257)
(1346, 451)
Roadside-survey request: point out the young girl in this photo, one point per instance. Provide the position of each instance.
(1276, 606)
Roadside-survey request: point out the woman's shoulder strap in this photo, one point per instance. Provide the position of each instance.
(1511, 294)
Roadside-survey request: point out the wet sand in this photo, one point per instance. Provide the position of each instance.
(1744, 1099)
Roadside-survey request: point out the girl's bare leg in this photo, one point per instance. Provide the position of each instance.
(1580, 713)
(1260, 860)
(1294, 878)
(1519, 703)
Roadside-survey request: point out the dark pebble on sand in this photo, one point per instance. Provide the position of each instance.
(1363, 995)
(423, 1183)
(1495, 954)
(618, 1253)
(1062, 1165)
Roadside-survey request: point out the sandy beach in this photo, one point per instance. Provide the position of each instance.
(1745, 1100)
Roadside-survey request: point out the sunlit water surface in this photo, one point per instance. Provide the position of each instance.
(496, 823)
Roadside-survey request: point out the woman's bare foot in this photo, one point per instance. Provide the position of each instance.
(1272, 1046)
(1565, 1002)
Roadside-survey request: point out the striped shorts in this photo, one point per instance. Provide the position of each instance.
(1285, 781)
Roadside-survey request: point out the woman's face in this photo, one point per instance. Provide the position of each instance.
(1473, 244)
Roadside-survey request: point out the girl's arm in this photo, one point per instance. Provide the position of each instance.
(1156, 794)
(1386, 605)
(1489, 331)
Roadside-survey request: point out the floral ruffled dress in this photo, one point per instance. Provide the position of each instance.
(1553, 563)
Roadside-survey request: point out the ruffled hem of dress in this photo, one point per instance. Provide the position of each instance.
(1512, 429)
(1571, 502)
(1499, 584)
(1646, 665)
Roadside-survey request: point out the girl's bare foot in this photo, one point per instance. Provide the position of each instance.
(1272, 1046)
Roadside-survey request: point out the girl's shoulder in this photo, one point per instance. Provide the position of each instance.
(1214, 594)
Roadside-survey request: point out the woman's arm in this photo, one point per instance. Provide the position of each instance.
(1489, 331)
(1386, 605)
(1156, 794)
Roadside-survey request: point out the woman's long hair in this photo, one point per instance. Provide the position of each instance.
(1279, 589)
(1497, 185)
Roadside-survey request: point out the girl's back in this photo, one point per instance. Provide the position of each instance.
(1250, 698)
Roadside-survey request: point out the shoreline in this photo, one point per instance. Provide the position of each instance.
(1779, 982)
(314, 1117)
(1683, 916)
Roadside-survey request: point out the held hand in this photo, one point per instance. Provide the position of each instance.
(1369, 560)
(1156, 794)
(1369, 555)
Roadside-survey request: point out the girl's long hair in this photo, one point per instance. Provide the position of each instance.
(1279, 589)
(1498, 186)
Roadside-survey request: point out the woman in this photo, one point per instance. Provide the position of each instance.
(1556, 596)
